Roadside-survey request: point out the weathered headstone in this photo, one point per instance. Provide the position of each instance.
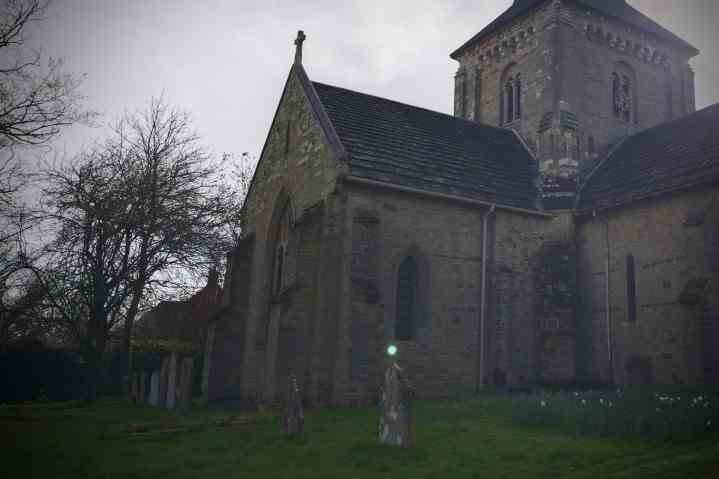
(143, 387)
(172, 382)
(134, 387)
(154, 398)
(185, 386)
(394, 408)
(162, 397)
(295, 418)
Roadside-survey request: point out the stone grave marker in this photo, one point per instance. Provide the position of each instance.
(134, 387)
(172, 382)
(295, 418)
(162, 396)
(394, 420)
(143, 387)
(185, 385)
(154, 398)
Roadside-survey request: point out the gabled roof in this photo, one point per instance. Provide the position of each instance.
(613, 8)
(668, 157)
(403, 145)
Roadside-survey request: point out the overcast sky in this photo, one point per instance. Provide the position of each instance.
(226, 61)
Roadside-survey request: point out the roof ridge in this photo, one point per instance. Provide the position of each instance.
(468, 122)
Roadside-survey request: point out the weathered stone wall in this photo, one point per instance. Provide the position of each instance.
(675, 244)
(592, 47)
(531, 337)
(297, 164)
(565, 55)
(445, 239)
(523, 47)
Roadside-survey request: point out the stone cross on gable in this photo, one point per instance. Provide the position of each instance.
(298, 50)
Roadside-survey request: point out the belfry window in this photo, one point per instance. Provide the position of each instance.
(623, 94)
(512, 98)
(518, 97)
(631, 290)
(407, 301)
(509, 100)
(279, 276)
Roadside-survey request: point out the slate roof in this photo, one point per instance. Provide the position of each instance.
(612, 8)
(671, 156)
(404, 145)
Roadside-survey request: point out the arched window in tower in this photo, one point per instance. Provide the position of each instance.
(279, 276)
(407, 301)
(623, 93)
(518, 97)
(615, 94)
(509, 100)
(510, 93)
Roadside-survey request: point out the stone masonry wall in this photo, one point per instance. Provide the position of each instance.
(446, 240)
(675, 244)
(591, 48)
(565, 55)
(525, 334)
(297, 163)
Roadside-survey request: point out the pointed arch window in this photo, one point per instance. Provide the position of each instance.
(512, 98)
(279, 276)
(509, 100)
(407, 301)
(623, 94)
(518, 97)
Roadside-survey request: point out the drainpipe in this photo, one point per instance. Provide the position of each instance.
(607, 299)
(483, 299)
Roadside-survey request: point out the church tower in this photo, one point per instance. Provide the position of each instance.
(573, 78)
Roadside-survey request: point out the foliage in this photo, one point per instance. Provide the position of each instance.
(452, 439)
(667, 414)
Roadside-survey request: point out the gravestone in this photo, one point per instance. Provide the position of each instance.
(162, 396)
(394, 408)
(134, 387)
(172, 382)
(185, 385)
(295, 418)
(143, 387)
(154, 398)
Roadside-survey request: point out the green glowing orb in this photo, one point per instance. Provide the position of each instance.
(392, 350)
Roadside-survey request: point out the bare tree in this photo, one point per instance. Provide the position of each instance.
(36, 100)
(138, 215)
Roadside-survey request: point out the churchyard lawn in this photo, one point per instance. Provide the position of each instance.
(540, 436)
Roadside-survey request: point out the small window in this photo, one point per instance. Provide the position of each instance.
(631, 290)
(623, 94)
(280, 274)
(590, 146)
(407, 297)
(518, 97)
(509, 100)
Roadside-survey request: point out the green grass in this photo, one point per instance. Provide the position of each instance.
(462, 439)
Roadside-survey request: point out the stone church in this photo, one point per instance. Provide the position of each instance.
(561, 228)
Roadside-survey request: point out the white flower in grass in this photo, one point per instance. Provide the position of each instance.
(584, 401)
(543, 404)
